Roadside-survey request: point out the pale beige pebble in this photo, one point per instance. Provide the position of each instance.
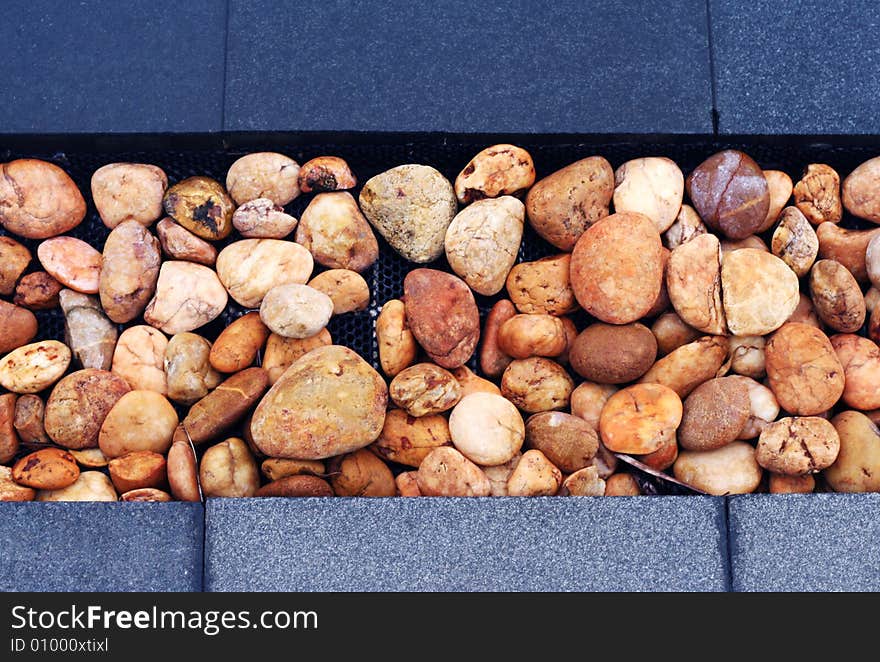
(562, 205)
(471, 383)
(129, 271)
(803, 369)
(10, 491)
(335, 232)
(140, 358)
(837, 297)
(276, 468)
(795, 241)
(872, 299)
(483, 240)
(872, 261)
(606, 461)
(347, 289)
(87, 331)
(622, 485)
(690, 365)
(90, 486)
(651, 185)
(446, 472)
(780, 188)
(731, 469)
(263, 175)
(693, 280)
(129, 192)
(179, 243)
(640, 418)
(411, 206)
(763, 407)
(487, 429)
(228, 469)
(584, 482)
(499, 474)
(805, 312)
(34, 367)
(72, 262)
(860, 359)
(759, 292)
(139, 421)
(329, 402)
(28, 420)
(752, 241)
(861, 191)
(747, 356)
(817, 194)
(686, 226)
(588, 400)
(250, 268)
(408, 484)
(857, 467)
(38, 199)
(263, 219)
(296, 311)
(543, 286)
(497, 170)
(325, 173)
(534, 475)
(798, 445)
(849, 247)
(671, 333)
(188, 296)
(188, 373)
(424, 389)
(536, 384)
(14, 259)
(281, 352)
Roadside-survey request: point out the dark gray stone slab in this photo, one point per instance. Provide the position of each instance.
(816, 542)
(805, 68)
(106, 66)
(469, 67)
(101, 546)
(498, 544)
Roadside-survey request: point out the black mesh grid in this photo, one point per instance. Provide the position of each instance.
(356, 330)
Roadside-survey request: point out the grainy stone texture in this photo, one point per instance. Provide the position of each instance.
(101, 546)
(759, 51)
(657, 82)
(422, 544)
(817, 542)
(100, 68)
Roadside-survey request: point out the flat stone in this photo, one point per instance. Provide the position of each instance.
(112, 67)
(459, 544)
(101, 546)
(814, 542)
(807, 71)
(603, 67)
